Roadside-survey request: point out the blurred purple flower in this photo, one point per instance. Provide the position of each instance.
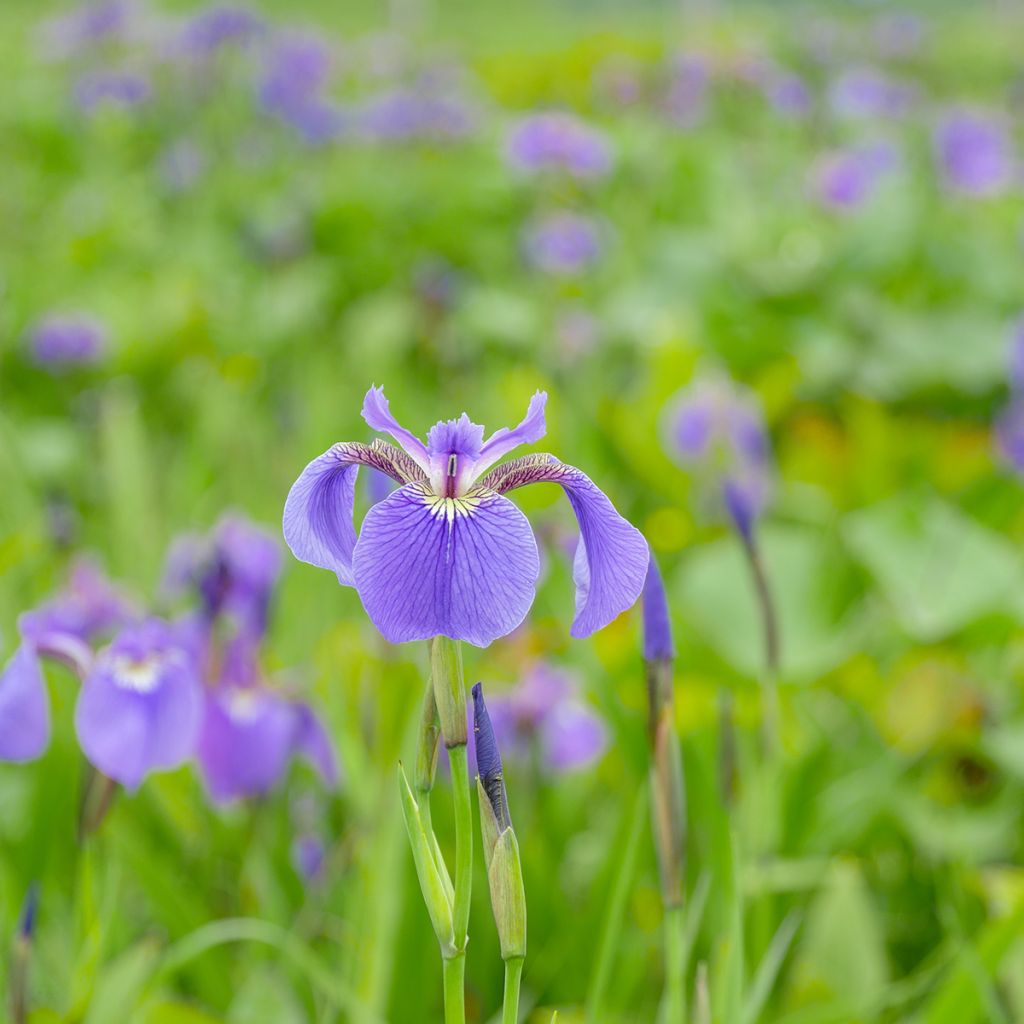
(846, 179)
(119, 89)
(1009, 435)
(685, 99)
(63, 340)
(308, 856)
(407, 114)
(249, 736)
(181, 165)
(563, 244)
(544, 713)
(24, 707)
(233, 570)
(140, 704)
(86, 26)
(216, 26)
(899, 34)
(974, 152)
(577, 331)
(866, 92)
(558, 141)
(718, 431)
(1016, 357)
(788, 94)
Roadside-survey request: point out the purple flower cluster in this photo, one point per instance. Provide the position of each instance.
(559, 142)
(718, 431)
(156, 692)
(975, 153)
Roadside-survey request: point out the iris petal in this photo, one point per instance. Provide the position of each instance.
(318, 513)
(24, 708)
(377, 413)
(426, 566)
(531, 429)
(612, 556)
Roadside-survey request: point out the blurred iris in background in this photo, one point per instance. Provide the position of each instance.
(974, 152)
(558, 141)
(59, 341)
(563, 244)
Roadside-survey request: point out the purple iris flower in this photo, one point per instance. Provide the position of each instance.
(87, 26)
(24, 707)
(975, 153)
(121, 89)
(214, 27)
(401, 115)
(234, 571)
(447, 553)
(866, 92)
(250, 734)
(140, 706)
(718, 431)
(563, 244)
(846, 179)
(545, 715)
(557, 141)
(58, 341)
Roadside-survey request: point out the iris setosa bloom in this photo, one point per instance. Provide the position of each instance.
(447, 554)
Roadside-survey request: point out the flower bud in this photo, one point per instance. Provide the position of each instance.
(501, 849)
(446, 673)
(427, 745)
(435, 893)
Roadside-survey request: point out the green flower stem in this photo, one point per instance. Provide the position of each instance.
(675, 966)
(454, 989)
(513, 975)
(463, 843)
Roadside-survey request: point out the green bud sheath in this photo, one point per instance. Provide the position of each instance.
(435, 894)
(427, 744)
(508, 897)
(449, 691)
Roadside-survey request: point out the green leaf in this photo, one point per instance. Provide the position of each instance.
(121, 983)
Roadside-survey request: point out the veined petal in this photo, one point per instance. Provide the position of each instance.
(464, 567)
(531, 429)
(318, 512)
(24, 707)
(377, 413)
(612, 556)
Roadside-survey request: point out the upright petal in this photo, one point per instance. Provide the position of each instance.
(657, 621)
(318, 512)
(377, 413)
(612, 556)
(426, 566)
(532, 428)
(24, 708)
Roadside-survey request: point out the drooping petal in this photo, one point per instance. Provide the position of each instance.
(24, 707)
(460, 567)
(318, 512)
(245, 742)
(377, 413)
(139, 708)
(531, 429)
(313, 742)
(612, 556)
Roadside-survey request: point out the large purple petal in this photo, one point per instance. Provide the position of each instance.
(24, 707)
(612, 556)
(318, 512)
(460, 567)
(245, 742)
(377, 413)
(532, 428)
(137, 716)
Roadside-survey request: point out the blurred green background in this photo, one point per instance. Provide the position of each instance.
(877, 875)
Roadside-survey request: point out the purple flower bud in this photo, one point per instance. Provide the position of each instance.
(563, 244)
(658, 644)
(308, 856)
(558, 141)
(488, 759)
(121, 89)
(29, 909)
(59, 341)
(140, 706)
(975, 153)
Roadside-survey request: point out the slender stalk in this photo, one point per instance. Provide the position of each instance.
(513, 975)
(463, 843)
(675, 965)
(770, 634)
(454, 989)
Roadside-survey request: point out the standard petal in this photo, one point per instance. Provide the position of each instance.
(377, 413)
(612, 556)
(318, 513)
(460, 567)
(532, 428)
(24, 708)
